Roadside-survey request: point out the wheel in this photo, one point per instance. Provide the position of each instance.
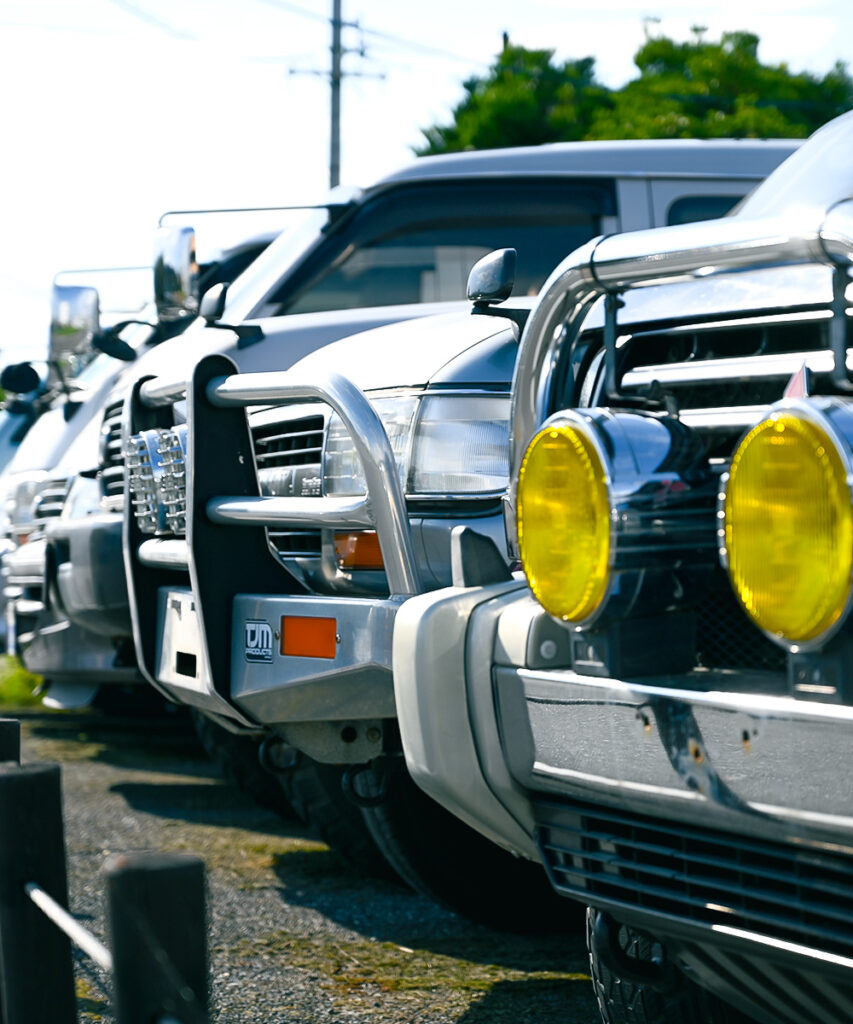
(315, 793)
(237, 759)
(446, 860)
(623, 998)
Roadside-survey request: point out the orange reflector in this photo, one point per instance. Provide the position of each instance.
(304, 637)
(359, 550)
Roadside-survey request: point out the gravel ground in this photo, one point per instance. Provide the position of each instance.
(294, 936)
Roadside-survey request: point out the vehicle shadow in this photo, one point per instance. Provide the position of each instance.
(163, 743)
(535, 1001)
(390, 912)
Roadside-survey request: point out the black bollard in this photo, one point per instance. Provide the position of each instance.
(10, 740)
(158, 928)
(36, 972)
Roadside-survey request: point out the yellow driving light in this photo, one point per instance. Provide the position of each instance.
(789, 526)
(564, 521)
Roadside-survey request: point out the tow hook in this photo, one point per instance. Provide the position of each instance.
(655, 973)
(276, 755)
(378, 782)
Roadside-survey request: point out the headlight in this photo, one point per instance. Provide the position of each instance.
(564, 521)
(610, 506)
(445, 446)
(156, 476)
(18, 511)
(788, 520)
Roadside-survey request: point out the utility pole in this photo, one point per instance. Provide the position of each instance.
(336, 77)
(337, 53)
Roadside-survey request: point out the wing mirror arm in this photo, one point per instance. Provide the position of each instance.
(213, 306)
(491, 281)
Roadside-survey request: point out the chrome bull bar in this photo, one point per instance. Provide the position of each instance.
(608, 266)
(383, 508)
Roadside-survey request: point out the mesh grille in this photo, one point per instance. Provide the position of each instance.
(799, 892)
(727, 638)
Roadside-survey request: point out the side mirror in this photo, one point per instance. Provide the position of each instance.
(176, 273)
(213, 302)
(492, 278)
(20, 378)
(74, 320)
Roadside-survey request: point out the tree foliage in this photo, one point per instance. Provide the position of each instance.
(693, 89)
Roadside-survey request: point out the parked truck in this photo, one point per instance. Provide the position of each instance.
(264, 585)
(656, 708)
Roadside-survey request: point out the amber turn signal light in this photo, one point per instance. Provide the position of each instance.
(359, 550)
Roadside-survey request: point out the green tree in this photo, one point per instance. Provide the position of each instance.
(702, 89)
(693, 89)
(525, 99)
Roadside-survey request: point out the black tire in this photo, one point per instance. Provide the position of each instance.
(315, 793)
(621, 1001)
(444, 859)
(237, 759)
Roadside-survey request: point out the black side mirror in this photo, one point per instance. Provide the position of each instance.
(20, 378)
(109, 342)
(492, 278)
(213, 302)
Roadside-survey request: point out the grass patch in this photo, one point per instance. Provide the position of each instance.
(422, 984)
(17, 685)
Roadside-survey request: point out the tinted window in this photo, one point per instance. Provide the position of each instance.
(418, 243)
(691, 208)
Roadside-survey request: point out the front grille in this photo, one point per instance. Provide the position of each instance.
(288, 454)
(51, 497)
(726, 638)
(801, 893)
(290, 443)
(111, 463)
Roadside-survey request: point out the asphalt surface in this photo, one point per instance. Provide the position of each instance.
(293, 935)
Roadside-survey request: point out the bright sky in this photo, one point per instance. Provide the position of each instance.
(116, 110)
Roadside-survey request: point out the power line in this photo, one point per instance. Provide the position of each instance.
(433, 51)
(151, 19)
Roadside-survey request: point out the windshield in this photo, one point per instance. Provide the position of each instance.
(416, 242)
(263, 274)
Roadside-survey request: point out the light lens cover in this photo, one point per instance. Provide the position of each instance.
(444, 445)
(461, 445)
(789, 528)
(342, 471)
(564, 522)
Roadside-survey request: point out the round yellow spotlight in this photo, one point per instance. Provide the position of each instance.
(564, 522)
(789, 528)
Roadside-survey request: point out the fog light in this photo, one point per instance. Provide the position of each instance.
(564, 521)
(788, 521)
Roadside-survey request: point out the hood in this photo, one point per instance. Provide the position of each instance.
(450, 348)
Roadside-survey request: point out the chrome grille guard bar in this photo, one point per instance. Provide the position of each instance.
(613, 264)
(382, 509)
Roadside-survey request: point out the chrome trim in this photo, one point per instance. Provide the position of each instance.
(715, 371)
(164, 554)
(158, 391)
(657, 256)
(339, 513)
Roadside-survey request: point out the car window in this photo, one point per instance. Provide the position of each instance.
(418, 243)
(688, 209)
